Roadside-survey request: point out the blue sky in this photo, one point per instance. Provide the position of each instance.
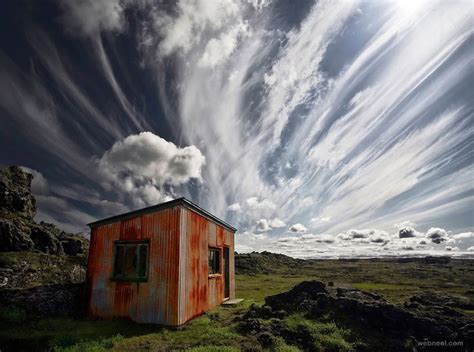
(317, 128)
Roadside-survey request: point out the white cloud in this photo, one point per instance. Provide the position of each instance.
(264, 225)
(407, 232)
(235, 207)
(297, 228)
(437, 235)
(449, 248)
(142, 164)
(277, 223)
(218, 50)
(464, 236)
(320, 219)
(369, 142)
(193, 19)
(89, 17)
(253, 203)
(406, 223)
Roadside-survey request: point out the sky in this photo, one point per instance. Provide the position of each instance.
(316, 128)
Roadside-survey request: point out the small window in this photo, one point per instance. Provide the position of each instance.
(131, 261)
(214, 261)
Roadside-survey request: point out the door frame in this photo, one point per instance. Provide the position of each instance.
(226, 272)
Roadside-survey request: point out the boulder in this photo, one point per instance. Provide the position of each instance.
(15, 235)
(74, 244)
(427, 315)
(290, 300)
(18, 230)
(46, 238)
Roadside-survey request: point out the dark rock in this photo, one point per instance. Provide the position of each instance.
(443, 301)
(18, 230)
(436, 260)
(48, 300)
(290, 300)
(15, 192)
(15, 235)
(75, 245)
(250, 326)
(46, 238)
(266, 339)
(426, 315)
(330, 283)
(266, 312)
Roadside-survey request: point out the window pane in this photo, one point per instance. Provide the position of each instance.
(143, 260)
(119, 259)
(131, 261)
(211, 256)
(214, 261)
(130, 265)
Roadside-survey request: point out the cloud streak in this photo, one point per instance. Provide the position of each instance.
(348, 115)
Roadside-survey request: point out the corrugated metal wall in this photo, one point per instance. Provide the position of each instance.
(154, 301)
(178, 286)
(199, 292)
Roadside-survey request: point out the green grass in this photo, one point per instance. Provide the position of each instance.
(321, 336)
(255, 288)
(216, 330)
(13, 315)
(35, 269)
(98, 345)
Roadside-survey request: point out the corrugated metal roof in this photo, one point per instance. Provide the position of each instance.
(180, 201)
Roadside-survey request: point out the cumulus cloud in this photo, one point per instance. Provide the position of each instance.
(235, 207)
(406, 223)
(437, 235)
(464, 236)
(89, 17)
(264, 225)
(142, 164)
(407, 232)
(297, 228)
(451, 249)
(277, 223)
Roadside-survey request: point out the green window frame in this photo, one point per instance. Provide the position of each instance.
(131, 261)
(214, 261)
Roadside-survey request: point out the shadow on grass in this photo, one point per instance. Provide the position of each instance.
(45, 334)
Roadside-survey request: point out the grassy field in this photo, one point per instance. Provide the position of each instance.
(216, 330)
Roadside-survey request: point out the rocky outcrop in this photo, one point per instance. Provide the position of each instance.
(19, 231)
(425, 316)
(42, 268)
(15, 235)
(15, 192)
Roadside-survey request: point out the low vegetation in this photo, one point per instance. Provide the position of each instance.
(218, 329)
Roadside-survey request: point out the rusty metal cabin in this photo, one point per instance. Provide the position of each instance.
(164, 264)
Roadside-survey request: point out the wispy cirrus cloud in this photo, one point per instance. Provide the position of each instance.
(348, 115)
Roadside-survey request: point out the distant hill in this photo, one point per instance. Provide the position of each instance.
(266, 263)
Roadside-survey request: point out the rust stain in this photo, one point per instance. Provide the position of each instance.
(178, 286)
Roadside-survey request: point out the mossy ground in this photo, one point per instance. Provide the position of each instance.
(216, 330)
